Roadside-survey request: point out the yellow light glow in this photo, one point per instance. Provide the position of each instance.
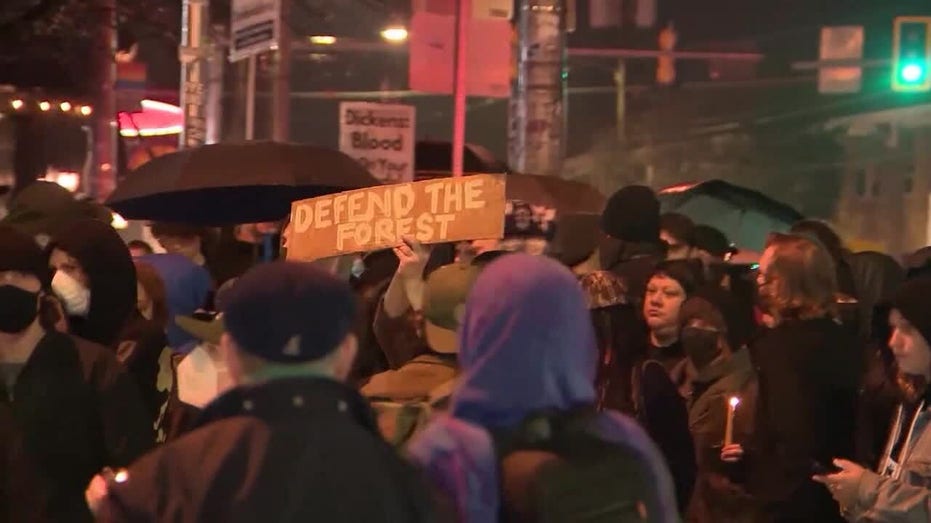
(64, 106)
(733, 402)
(86, 110)
(323, 40)
(17, 104)
(394, 34)
(45, 106)
(118, 222)
(154, 131)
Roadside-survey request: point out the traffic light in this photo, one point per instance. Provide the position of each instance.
(911, 54)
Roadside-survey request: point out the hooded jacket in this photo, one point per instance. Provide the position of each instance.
(112, 276)
(113, 320)
(526, 345)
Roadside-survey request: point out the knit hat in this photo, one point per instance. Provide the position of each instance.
(632, 215)
(289, 312)
(913, 301)
(576, 238)
(715, 305)
(603, 289)
(20, 253)
(711, 240)
(444, 298)
(679, 226)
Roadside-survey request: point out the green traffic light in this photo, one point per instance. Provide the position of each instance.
(912, 73)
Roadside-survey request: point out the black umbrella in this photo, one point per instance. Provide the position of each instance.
(229, 183)
(438, 156)
(744, 215)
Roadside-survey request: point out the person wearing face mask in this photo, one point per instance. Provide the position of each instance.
(714, 343)
(95, 280)
(67, 407)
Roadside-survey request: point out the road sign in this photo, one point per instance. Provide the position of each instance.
(254, 27)
(840, 43)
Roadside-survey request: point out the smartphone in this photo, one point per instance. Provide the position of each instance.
(820, 469)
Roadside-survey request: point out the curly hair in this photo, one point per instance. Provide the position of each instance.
(801, 280)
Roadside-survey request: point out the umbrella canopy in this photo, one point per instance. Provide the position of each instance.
(229, 183)
(564, 196)
(438, 156)
(744, 215)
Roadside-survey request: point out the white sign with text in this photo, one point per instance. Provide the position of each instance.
(380, 137)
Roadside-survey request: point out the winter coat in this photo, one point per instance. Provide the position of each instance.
(300, 449)
(902, 495)
(73, 411)
(809, 376)
(529, 349)
(113, 320)
(719, 495)
(632, 262)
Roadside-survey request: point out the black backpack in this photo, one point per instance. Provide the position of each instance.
(554, 469)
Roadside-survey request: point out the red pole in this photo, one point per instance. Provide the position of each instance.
(463, 15)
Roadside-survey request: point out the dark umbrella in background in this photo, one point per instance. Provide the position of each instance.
(437, 157)
(744, 215)
(231, 183)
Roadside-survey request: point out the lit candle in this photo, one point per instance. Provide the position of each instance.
(732, 403)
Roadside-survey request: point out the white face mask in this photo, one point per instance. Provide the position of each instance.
(75, 297)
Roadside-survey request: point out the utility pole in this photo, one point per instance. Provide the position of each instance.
(620, 82)
(281, 98)
(194, 72)
(538, 99)
(105, 127)
(216, 64)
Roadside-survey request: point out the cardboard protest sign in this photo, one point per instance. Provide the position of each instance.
(431, 211)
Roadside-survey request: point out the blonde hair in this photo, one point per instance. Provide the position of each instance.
(802, 278)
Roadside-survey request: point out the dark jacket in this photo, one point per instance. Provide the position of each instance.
(303, 449)
(809, 374)
(719, 494)
(73, 411)
(113, 320)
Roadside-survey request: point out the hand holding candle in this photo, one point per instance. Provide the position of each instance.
(732, 403)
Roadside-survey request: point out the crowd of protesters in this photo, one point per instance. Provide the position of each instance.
(633, 372)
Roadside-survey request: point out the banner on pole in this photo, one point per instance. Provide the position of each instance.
(433, 52)
(380, 137)
(254, 27)
(431, 211)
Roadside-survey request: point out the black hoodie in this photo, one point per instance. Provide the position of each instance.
(113, 320)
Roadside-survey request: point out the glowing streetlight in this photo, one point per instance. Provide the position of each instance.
(45, 106)
(86, 110)
(394, 34)
(64, 106)
(323, 40)
(17, 104)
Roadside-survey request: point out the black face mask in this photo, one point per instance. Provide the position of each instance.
(18, 309)
(700, 345)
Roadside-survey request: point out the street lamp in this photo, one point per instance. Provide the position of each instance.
(45, 106)
(323, 40)
(394, 34)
